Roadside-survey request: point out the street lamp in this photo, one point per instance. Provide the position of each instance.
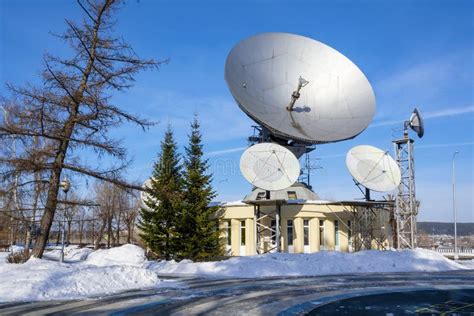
(65, 185)
(456, 256)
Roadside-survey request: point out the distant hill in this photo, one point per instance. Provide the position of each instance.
(464, 229)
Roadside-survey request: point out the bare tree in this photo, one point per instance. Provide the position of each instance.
(60, 226)
(82, 218)
(130, 216)
(38, 189)
(106, 197)
(125, 214)
(72, 111)
(70, 212)
(117, 208)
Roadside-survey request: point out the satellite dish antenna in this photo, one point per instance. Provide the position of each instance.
(373, 168)
(415, 123)
(299, 89)
(144, 195)
(269, 166)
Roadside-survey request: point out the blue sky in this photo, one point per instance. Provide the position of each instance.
(415, 53)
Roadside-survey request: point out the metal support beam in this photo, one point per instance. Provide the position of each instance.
(277, 229)
(267, 228)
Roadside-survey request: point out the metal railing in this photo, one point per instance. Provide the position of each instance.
(449, 250)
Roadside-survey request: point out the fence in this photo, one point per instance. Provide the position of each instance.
(448, 251)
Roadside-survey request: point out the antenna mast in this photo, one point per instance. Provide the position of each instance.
(406, 206)
(406, 209)
(308, 167)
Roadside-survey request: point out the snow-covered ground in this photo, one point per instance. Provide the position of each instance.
(84, 275)
(469, 264)
(88, 273)
(320, 263)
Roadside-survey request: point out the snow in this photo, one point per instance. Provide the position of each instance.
(88, 273)
(234, 203)
(319, 202)
(84, 274)
(16, 248)
(469, 264)
(49, 280)
(126, 255)
(320, 263)
(71, 253)
(298, 201)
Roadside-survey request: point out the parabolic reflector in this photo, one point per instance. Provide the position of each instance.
(145, 196)
(416, 123)
(299, 88)
(373, 168)
(269, 166)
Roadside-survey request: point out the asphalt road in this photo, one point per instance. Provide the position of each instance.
(266, 296)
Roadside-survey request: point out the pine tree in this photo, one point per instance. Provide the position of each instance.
(163, 204)
(198, 228)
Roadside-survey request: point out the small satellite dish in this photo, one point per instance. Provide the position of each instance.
(269, 166)
(299, 89)
(416, 123)
(373, 168)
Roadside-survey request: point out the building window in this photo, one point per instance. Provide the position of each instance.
(273, 232)
(261, 196)
(289, 231)
(349, 230)
(306, 232)
(242, 233)
(321, 232)
(336, 232)
(228, 229)
(292, 195)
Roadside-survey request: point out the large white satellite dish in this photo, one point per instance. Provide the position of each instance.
(299, 88)
(145, 196)
(269, 166)
(373, 168)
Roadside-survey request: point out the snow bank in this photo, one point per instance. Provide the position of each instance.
(320, 263)
(78, 254)
(49, 280)
(71, 253)
(469, 264)
(87, 274)
(126, 255)
(103, 272)
(16, 248)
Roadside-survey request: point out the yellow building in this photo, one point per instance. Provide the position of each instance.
(307, 224)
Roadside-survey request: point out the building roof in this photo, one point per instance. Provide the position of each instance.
(365, 203)
(298, 191)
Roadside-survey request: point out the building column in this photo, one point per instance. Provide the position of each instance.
(250, 245)
(314, 234)
(343, 236)
(329, 234)
(298, 235)
(235, 242)
(284, 235)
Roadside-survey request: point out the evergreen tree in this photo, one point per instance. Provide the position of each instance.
(163, 204)
(198, 228)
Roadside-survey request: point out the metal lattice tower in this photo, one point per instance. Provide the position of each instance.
(406, 208)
